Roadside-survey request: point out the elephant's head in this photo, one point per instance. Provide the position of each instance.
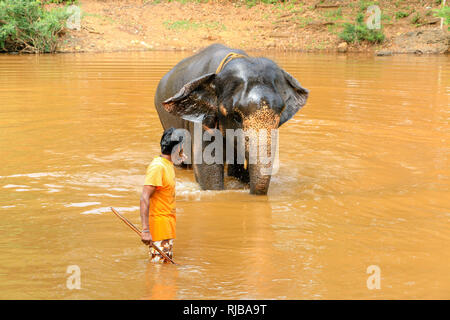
(250, 93)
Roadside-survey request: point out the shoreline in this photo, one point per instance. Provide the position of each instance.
(254, 51)
(293, 26)
(306, 26)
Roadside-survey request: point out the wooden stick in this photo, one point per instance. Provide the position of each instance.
(128, 223)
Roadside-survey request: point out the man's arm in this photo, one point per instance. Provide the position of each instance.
(147, 192)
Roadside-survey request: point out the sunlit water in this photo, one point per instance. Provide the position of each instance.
(364, 180)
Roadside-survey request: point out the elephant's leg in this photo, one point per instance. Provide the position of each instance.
(209, 176)
(238, 171)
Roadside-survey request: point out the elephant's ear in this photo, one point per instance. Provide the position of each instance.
(294, 97)
(195, 101)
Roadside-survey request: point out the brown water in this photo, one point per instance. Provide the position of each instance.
(364, 180)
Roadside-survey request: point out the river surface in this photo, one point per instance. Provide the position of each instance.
(364, 180)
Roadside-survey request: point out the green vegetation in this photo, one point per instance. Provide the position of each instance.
(281, 4)
(187, 1)
(385, 17)
(25, 26)
(416, 18)
(401, 14)
(248, 3)
(333, 29)
(180, 1)
(443, 12)
(290, 6)
(360, 32)
(187, 25)
(61, 1)
(252, 3)
(301, 21)
(397, 3)
(363, 5)
(334, 14)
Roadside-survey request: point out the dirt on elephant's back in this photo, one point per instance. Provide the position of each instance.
(136, 25)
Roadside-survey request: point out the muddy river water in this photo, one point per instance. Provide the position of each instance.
(364, 180)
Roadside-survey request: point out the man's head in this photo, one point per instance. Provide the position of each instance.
(169, 141)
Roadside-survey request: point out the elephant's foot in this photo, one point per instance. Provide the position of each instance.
(209, 177)
(238, 171)
(213, 187)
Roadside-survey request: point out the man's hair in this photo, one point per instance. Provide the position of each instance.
(168, 142)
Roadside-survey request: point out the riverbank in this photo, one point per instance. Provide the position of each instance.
(135, 25)
(119, 25)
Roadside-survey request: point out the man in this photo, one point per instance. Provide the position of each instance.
(158, 199)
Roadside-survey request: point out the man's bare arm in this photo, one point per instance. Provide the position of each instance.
(147, 192)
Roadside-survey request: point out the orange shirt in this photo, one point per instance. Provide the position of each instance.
(161, 174)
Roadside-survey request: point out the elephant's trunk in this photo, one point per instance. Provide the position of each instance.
(259, 183)
(259, 126)
(260, 171)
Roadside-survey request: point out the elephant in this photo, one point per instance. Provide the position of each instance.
(224, 88)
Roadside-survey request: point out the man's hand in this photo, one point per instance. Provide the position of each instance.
(182, 155)
(147, 192)
(146, 238)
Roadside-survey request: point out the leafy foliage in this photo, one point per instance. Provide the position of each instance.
(334, 14)
(252, 3)
(363, 5)
(187, 24)
(401, 14)
(62, 1)
(444, 12)
(416, 18)
(25, 26)
(360, 32)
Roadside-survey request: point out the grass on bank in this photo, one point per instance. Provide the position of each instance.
(401, 14)
(26, 26)
(192, 25)
(443, 12)
(357, 32)
(60, 1)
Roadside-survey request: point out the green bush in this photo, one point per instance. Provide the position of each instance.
(61, 1)
(252, 3)
(401, 14)
(360, 32)
(363, 5)
(443, 12)
(187, 24)
(25, 26)
(334, 14)
(416, 18)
